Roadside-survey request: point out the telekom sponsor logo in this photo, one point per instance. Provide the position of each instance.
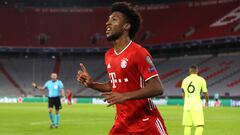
(114, 80)
(112, 76)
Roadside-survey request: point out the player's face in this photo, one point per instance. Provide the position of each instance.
(114, 26)
(54, 77)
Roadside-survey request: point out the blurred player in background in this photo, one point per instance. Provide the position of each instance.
(69, 96)
(217, 100)
(192, 87)
(55, 91)
(132, 74)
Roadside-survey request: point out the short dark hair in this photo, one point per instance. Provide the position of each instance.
(194, 66)
(131, 14)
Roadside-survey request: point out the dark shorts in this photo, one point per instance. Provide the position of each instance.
(54, 101)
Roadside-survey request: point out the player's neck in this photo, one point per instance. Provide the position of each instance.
(121, 43)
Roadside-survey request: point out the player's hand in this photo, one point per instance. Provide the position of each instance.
(83, 76)
(63, 99)
(113, 98)
(34, 85)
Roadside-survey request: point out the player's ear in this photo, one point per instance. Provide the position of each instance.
(127, 26)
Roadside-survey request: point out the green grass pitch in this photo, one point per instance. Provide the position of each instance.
(88, 119)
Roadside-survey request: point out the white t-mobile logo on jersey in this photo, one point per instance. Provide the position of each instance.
(113, 77)
(115, 80)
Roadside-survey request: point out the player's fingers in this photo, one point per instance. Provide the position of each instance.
(84, 80)
(111, 104)
(79, 72)
(78, 77)
(84, 76)
(81, 75)
(85, 83)
(80, 80)
(105, 100)
(109, 98)
(82, 67)
(34, 84)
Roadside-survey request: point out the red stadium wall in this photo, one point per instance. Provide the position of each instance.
(76, 27)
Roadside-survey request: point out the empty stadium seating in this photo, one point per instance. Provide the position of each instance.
(85, 27)
(221, 72)
(234, 83)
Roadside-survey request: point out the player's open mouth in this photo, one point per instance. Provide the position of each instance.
(108, 30)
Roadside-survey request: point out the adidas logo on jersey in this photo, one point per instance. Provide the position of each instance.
(108, 66)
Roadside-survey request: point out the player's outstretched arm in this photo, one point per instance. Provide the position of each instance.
(84, 78)
(37, 87)
(153, 88)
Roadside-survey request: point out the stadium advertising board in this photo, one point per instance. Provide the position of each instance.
(8, 100)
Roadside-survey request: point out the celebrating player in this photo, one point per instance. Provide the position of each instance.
(192, 87)
(132, 74)
(55, 90)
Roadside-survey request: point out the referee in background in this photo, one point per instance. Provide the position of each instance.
(55, 91)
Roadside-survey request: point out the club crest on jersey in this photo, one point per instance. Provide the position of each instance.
(124, 63)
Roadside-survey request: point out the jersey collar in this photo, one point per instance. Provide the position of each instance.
(123, 49)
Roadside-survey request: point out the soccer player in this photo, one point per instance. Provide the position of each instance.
(192, 87)
(55, 91)
(69, 97)
(132, 74)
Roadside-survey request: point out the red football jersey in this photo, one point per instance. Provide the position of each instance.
(69, 94)
(128, 71)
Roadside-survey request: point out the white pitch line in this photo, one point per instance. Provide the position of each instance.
(66, 122)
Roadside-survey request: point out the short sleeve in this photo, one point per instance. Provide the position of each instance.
(204, 85)
(46, 85)
(61, 85)
(145, 65)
